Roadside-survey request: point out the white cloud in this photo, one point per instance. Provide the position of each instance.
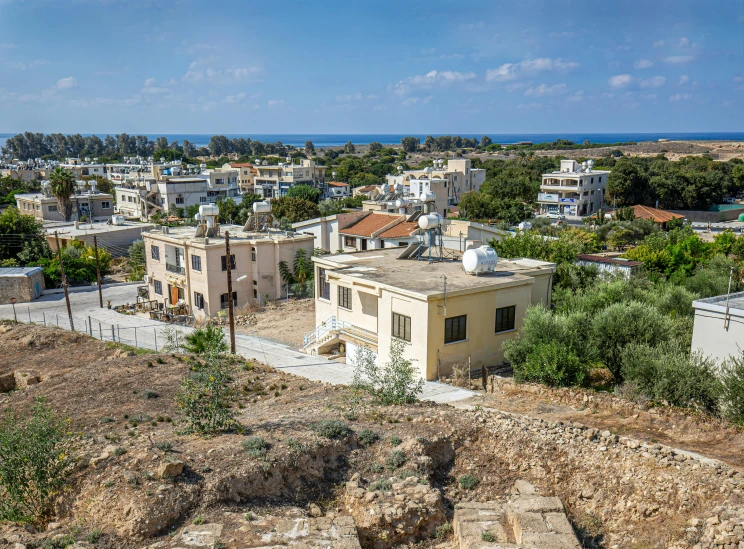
(643, 64)
(470, 26)
(653, 82)
(678, 59)
(427, 51)
(576, 96)
(7, 46)
(149, 82)
(649, 96)
(620, 80)
(358, 96)
(659, 43)
(683, 42)
(150, 87)
(99, 101)
(680, 97)
(215, 76)
(272, 103)
(66, 83)
(432, 78)
(26, 65)
(529, 106)
(543, 90)
(738, 79)
(510, 71)
(684, 79)
(564, 34)
(232, 99)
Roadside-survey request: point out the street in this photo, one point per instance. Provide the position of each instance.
(108, 325)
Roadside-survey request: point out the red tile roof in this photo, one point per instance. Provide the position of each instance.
(240, 165)
(401, 230)
(337, 184)
(658, 216)
(371, 223)
(366, 188)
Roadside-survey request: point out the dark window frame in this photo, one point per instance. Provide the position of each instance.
(401, 327)
(348, 239)
(198, 301)
(196, 262)
(155, 252)
(223, 259)
(505, 319)
(455, 329)
(324, 286)
(344, 297)
(157, 287)
(224, 303)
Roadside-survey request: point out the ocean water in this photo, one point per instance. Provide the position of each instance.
(334, 140)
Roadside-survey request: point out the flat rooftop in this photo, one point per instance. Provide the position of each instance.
(718, 303)
(422, 277)
(84, 229)
(19, 271)
(186, 234)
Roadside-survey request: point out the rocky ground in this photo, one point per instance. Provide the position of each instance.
(394, 477)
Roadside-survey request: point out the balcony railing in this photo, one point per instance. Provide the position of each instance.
(175, 269)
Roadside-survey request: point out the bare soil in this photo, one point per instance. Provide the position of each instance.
(282, 321)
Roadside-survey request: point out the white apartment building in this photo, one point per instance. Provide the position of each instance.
(246, 174)
(167, 188)
(575, 190)
(275, 181)
(447, 179)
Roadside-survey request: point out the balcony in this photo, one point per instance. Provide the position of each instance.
(175, 269)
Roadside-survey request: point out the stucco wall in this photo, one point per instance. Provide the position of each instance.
(22, 288)
(710, 336)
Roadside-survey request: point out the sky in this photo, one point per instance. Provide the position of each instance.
(398, 66)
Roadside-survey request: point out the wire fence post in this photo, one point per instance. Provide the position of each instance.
(113, 334)
(90, 326)
(118, 334)
(135, 338)
(155, 333)
(100, 332)
(55, 314)
(29, 314)
(43, 317)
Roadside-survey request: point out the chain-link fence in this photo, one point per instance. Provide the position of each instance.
(156, 337)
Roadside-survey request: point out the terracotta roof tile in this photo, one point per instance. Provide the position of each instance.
(658, 216)
(370, 224)
(366, 189)
(337, 184)
(401, 230)
(240, 165)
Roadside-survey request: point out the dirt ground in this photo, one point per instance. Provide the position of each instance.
(693, 432)
(282, 321)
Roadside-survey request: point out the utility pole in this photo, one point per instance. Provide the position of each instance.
(64, 280)
(230, 311)
(98, 272)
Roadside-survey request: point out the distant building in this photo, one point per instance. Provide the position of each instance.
(443, 315)
(86, 206)
(575, 190)
(115, 236)
(718, 331)
(662, 217)
(337, 189)
(246, 175)
(183, 267)
(275, 181)
(22, 283)
(609, 264)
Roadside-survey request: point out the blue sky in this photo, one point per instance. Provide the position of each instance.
(151, 66)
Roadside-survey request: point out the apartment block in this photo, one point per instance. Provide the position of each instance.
(184, 267)
(443, 315)
(86, 206)
(275, 181)
(574, 190)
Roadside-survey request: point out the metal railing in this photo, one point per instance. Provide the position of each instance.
(175, 269)
(332, 324)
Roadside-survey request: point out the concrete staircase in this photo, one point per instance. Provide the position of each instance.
(526, 521)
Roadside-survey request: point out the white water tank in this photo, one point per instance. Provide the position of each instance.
(401, 203)
(262, 207)
(209, 210)
(524, 226)
(479, 260)
(430, 221)
(117, 220)
(427, 196)
(384, 188)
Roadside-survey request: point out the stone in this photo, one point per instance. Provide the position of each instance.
(25, 379)
(203, 535)
(170, 468)
(7, 382)
(107, 452)
(314, 510)
(524, 488)
(550, 541)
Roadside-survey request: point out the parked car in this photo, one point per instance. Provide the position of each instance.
(729, 200)
(554, 215)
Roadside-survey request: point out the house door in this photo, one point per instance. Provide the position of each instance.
(364, 243)
(174, 294)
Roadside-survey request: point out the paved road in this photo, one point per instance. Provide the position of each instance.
(109, 325)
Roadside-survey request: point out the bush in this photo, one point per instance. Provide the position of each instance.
(443, 530)
(397, 382)
(206, 397)
(396, 459)
(255, 447)
(382, 485)
(395, 441)
(668, 373)
(732, 391)
(34, 461)
(488, 537)
(621, 324)
(331, 428)
(367, 437)
(210, 340)
(552, 364)
(468, 482)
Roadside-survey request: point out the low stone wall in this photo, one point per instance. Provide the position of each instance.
(23, 288)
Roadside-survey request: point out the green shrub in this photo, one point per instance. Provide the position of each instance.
(94, 536)
(150, 393)
(255, 447)
(206, 397)
(552, 364)
(468, 482)
(732, 391)
(669, 373)
(396, 382)
(164, 446)
(367, 437)
(298, 447)
(395, 441)
(382, 485)
(331, 428)
(206, 341)
(488, 537)
(443, 531)
(34, 461)
(377, 468)
(396, 459)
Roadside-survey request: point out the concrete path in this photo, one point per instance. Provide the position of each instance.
(109, 325)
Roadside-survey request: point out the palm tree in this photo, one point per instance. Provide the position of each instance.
(301, 272)
(62, 185)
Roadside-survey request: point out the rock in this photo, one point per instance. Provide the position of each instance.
(25, 379)
(108, 451)
(170, 468)
(53, 526)
(7, 382)
(315, 511)
(17, 546)
(203, 535)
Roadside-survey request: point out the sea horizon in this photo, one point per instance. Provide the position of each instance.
(339, 139)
